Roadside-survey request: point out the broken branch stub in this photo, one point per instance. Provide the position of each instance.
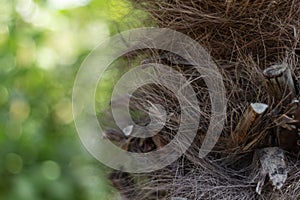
(280, 82)
(288, 128)
(250, 116)
(272, 163)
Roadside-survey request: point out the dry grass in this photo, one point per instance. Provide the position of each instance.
(244, 37)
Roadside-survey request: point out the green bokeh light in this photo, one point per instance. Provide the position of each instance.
(42, 44)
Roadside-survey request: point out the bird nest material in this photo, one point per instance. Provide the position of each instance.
(256, 47)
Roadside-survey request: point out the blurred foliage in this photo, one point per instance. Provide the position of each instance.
(42, 44)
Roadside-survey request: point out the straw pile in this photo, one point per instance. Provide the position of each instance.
(243, 37)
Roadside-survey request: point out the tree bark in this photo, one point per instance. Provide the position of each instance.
(280, 82)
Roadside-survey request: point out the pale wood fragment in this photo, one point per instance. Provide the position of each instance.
(272, 163)
(127, 130)
(178, 198)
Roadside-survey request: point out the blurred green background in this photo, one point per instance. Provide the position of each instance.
(42, 44)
